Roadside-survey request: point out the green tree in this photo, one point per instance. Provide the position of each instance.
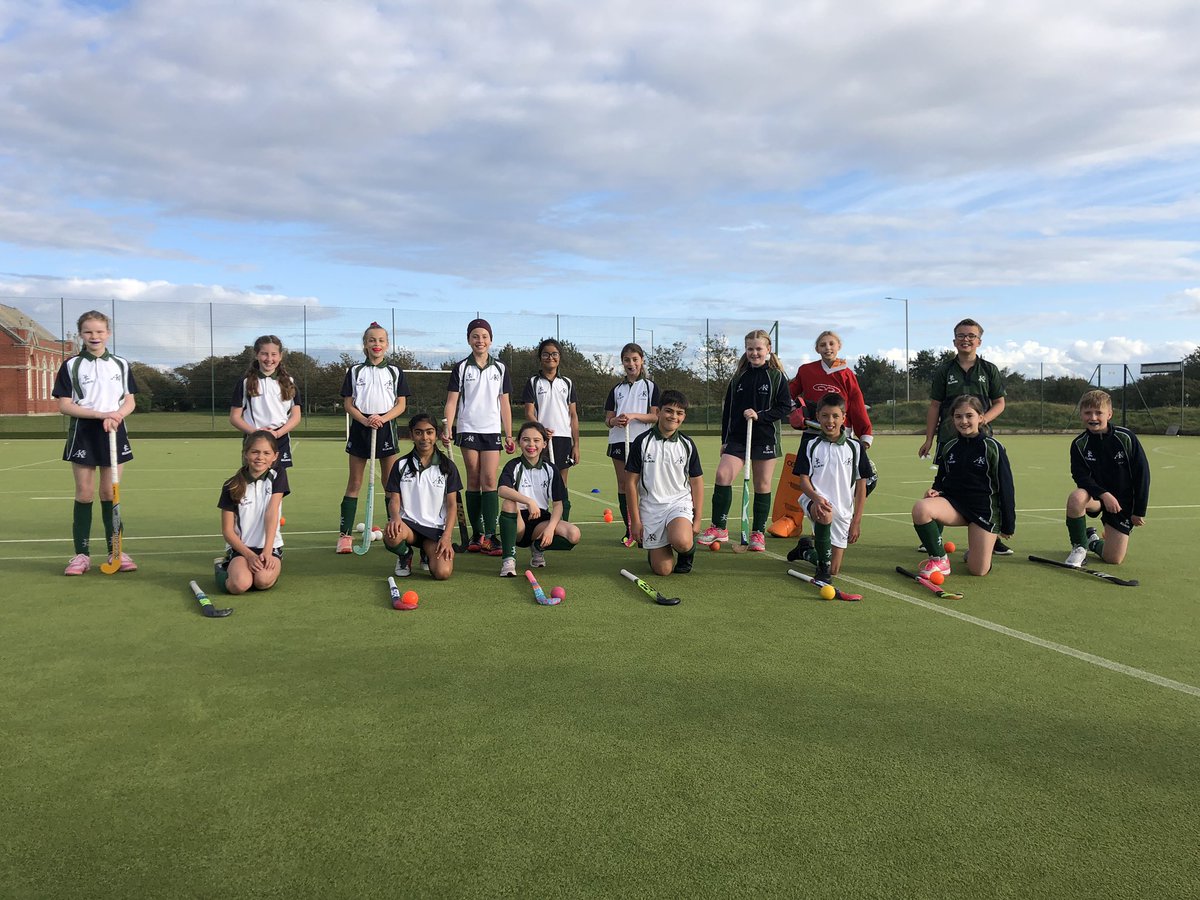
(879, 379)
(922, 365)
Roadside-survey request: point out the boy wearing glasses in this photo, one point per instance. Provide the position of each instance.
(968, 373)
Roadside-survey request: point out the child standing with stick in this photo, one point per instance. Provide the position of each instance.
(375, 394)
(755, 403)
(95, 388)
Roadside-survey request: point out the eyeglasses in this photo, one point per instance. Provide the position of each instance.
(550, 355)
(966, 337)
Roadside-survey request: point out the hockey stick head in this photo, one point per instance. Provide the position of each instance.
(206, 607)
(649, 591)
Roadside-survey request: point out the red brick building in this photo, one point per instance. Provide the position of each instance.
(29, 359)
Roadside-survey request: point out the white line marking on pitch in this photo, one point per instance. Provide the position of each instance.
(1092, 658)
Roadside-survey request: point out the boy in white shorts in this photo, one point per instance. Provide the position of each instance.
(833, 470)
(666, 489)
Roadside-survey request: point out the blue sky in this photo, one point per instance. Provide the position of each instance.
(1033, 166)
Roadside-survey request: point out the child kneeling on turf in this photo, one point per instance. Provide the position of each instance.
(833, 469)
(249, 504)
(973, 487)
(421, 492)
(666, 489)
(532, 495)
(1112, 479)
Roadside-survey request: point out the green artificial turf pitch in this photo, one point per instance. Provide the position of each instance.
(1039, 740)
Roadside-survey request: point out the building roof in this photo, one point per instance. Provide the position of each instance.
(13, 321)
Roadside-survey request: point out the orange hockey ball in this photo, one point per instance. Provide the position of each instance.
(937, 577)
(714, 546)
(949, 545)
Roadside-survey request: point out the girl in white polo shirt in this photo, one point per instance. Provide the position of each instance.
(96, 390)
(477, 399)
(267, 398)
(374, 395)
(249, 504)
(421, 502)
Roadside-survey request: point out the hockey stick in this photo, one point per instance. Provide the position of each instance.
(538, 594)
(925, 582)
(649, 591)
(206, 607)
(745, 544)
(1101, 575)
(837, 592)
(365, 544)
(113, 564)
(461, 513)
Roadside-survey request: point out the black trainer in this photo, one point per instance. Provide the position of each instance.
(802, 546)
(683, 563)
(1001, 549)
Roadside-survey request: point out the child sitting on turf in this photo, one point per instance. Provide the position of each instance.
(1112, 480)
(421, 502)
(96, 390)
(973, 487)
(833, 469)
(249, 504)
(531, 494)
(666, 489)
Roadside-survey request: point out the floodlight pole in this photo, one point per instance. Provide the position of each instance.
(651, 330)
(907, 374)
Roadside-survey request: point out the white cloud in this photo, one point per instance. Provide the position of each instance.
(441, 136)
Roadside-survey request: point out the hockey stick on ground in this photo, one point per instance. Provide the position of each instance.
(1101, 575)
(538, 594)
(837, 592)
(206, 606)
(649, 591)
(113, 564)
(925, 582)
(365, 544)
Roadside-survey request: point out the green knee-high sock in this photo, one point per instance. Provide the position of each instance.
(81, 527)
(566, 509)
(822, 545)
(508, 534)
(490, 502)
(1096, 545)
(474, 503)
(107, 518)
(623, 504)
(931, 538)
(348, 511)
(722, 500)
(1077, 529)
(560, 543)
(762, 509)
